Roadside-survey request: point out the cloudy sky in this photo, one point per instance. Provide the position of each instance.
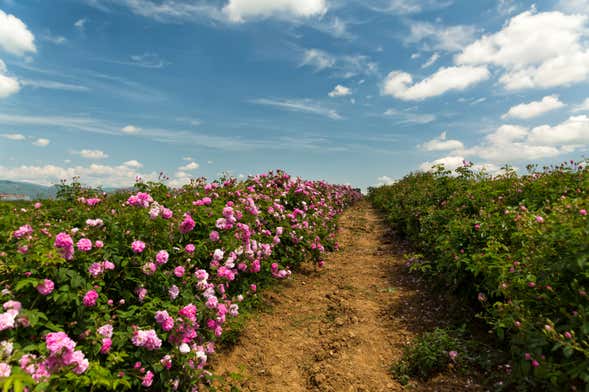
(351, 91)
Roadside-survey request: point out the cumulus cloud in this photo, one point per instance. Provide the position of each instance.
(94, 174)
(91, 154)
(15, 37)
(535, 50)
(441, 143)
(450, 162)
(534, 109)
(133, 163)
(513, 143)
(340, 91)
(385, 180)
(453, 162)
(41, 142)
(8, 85)
(242, 10)
(400, 84)
(189, 166)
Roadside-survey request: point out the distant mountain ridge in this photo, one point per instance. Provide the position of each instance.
(33, 191)
(36, 191)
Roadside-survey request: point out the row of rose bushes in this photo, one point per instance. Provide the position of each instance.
(131, 290)
(518, 246)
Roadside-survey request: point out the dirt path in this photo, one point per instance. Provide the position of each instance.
(341, 328)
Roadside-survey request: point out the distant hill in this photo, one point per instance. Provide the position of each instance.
(33, 191)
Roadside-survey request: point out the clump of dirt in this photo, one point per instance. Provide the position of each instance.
(342, 327)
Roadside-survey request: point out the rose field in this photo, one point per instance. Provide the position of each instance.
(131, 290)
(450, 280)
(517, 247)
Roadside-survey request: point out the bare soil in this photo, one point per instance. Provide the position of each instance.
(340, 328)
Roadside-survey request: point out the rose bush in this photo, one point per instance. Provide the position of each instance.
(132, 290)
(516, 245)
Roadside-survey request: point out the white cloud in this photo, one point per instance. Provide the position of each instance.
(241, 10)
(55, 39)
(453, 162)
(130, 129)
(512, 143)
(434, 57)
(91, 154)
(450, 162)
(53, 85)
(506, 7)
(439, 37)
(133, 163)
(406, 7)
(189, 159)
(574, 6)
(94, 174)
(318, 59)
(189, 166)
(583, 107)
(534, 109)
(335, 27)
(441, 143)
(572, 132)
(80, 24)
(340, 91)
(385, 180)
(15, 37)
(300, 105)
(409, 117)
(400, 84)
(346, 66)
(13, 136)
(8, 85)
(41, 142)
(535, 50)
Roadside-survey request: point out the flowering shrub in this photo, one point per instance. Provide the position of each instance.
(132, 290)
(516, 245)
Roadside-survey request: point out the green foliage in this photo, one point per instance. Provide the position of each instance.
(428, 355)
(517, 247)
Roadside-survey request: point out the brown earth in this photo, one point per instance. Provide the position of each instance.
(341, 327)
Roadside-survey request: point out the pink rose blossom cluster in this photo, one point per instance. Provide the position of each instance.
(90, 298)
(84, 245)
(46, 287)
(25, 230)
(147, 339)
(62, 354)
(65, 245)
(187, 224)
(8, 318)
(92, 201)
(138, 246)
(95, 222)
(141, 199)
(97, 269)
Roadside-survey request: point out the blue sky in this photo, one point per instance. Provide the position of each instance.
(351, 91)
